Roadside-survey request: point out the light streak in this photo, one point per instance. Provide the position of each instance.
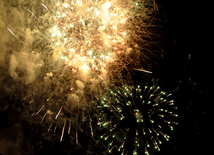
(142, 70)
(40, 110)
(16, 36)
(58, 112)
(45, 7)
(63, 129)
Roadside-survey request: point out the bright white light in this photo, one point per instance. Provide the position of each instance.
(107, 5)
(59, 34)
(55, 27)
(97, 13)
(65, 5)
(89, 52)
(85, 67)
(72, 50)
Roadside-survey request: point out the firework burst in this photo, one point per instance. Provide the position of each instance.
(98, 39)
(77, 48)
(136, 119)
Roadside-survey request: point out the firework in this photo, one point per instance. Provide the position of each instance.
(136, 119)
(94, 42)
(77, 48)
(97, 39)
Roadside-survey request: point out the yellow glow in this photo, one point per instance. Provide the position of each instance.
(65, 5)
(86, 34)
(85, 67)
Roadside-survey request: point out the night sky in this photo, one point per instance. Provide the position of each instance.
(185, 69)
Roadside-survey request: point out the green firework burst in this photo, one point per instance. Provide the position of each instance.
(136, 119)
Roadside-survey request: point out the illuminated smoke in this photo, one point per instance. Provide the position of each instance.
(74, 50)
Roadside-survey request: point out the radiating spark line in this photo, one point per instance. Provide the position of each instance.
(16, 36)
(50, 126)
(26, 97)
(59, 112)
(40, 110)
(49, 98)
(134, 151)
(69, 127)
(90, 120)
(55, 128)
(112, 141)
(76, 135)
(142, 70)
(146, 151)
(44, 116)
(63, 129)
(111, 148)
(32, 13)
(13, 33)
(45, 8)
(31, 101)
(121, 145)
(77, 124)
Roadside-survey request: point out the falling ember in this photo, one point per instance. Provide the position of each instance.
(90, 120)
(69, 127)
(77, 135)
(40, 110)
(58, 112)
(50, 126)
(63, 129)
(44, 116)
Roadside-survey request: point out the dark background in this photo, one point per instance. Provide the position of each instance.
(189, 61)
(187, 67)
